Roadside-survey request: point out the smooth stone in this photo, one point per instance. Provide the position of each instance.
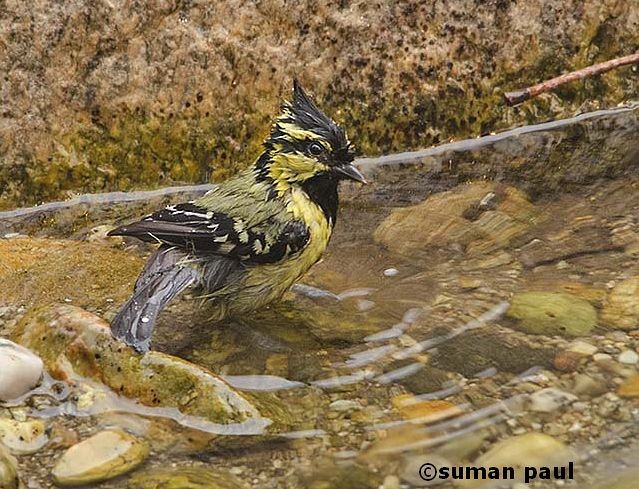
(8, 470)
(530, 449)
(103, 456)
(23, 437)
(552, 313)
(21, 370)
(461, 448)
(411, 467)
(628, 357)
(582, 347)
(621, 308)
(630, 387)
(480, 217)
(343, 405)
(184, 478)
(586, 386)
(550, 399)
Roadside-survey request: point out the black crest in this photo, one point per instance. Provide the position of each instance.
(302, 112)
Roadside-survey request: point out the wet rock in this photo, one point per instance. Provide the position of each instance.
(184, 478)
(344, 405)
(550, 399)
(21, 370)
(621, 308)
(424, 380)
(587, 386)
(478, 218)
(411, 469)
(626, 480)
(151, 110)
(43, 271)
(426, 412)
(582, 348)
(103, 456)
(567, 361)
(630, 387)
(530, 449)
(476, 351)
(23, 437)
(462, 448)
(552, 313)
(8, 470)
(73, 342)
(628, 357)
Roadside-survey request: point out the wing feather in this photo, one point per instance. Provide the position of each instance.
(195, 229)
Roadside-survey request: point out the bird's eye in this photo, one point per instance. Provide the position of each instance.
(315, 149)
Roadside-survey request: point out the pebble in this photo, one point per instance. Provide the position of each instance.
(628, 357)
(411, 467)
(343, 405)
(391, 272)
(103, 456)
(582, 348)
(391, 482)
(21, 370)
(589, 387)
(23, 437)
(8, 470)
(601, 357)
(550, 399)
(531, 449)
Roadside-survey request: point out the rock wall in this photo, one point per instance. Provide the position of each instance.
(120, 94)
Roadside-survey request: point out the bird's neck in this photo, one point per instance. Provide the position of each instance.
(321, 189)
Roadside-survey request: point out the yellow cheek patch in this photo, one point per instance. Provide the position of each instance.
(286, 168)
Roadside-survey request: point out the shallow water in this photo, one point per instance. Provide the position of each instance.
(389, 355)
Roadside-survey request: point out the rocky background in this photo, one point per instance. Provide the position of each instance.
(119, 94)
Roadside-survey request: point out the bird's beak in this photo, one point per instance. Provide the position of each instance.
(349, 171)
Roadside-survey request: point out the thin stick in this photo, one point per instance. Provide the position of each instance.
(518, 96)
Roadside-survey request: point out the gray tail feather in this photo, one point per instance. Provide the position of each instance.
(161, 280)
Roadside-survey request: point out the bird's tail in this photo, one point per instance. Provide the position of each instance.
(161, 280)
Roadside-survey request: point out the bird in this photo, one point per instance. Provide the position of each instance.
(245, 242)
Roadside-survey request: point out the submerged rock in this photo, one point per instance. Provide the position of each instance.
(184, 478)
(103, 456)
(23, 437)
(552, 313)
(478, 218)
(21, 370)
(8, 470)
(73, 342)
(621, 308)
(530, 449)
(476, 351)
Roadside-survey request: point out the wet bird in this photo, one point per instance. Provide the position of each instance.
(245, 242)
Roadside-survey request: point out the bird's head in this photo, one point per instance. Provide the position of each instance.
(304, 143)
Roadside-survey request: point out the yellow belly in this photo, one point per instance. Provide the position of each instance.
(263, 284)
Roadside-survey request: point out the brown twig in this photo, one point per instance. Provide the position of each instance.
(518, 96)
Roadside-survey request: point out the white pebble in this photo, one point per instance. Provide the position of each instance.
(21, 370)
(391, 272)
(628, 357)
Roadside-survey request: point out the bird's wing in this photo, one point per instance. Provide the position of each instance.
(196, 229)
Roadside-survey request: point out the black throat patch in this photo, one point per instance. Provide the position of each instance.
(322, 189)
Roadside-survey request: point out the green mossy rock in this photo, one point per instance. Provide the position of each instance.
(73, 342)
(552, 313)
